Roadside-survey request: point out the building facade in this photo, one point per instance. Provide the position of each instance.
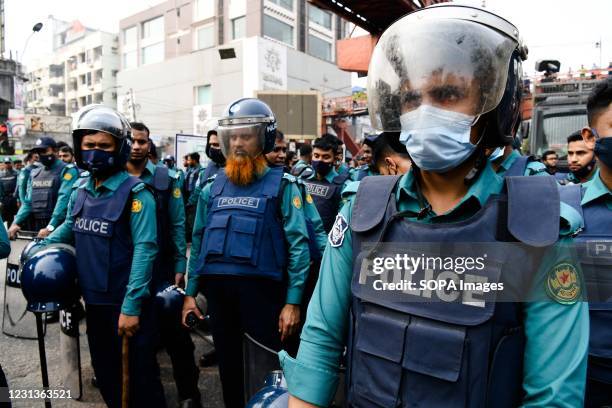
(183, 61)
(82, 70)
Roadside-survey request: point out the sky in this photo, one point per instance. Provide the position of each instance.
(566, 30)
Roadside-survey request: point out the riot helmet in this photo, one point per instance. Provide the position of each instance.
(169, 303)
(49, 279)
(99, 118)
(448, 64)
(247, 117)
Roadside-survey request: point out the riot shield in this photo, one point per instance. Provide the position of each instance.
(70, 352)
(259, 362)
(16, 321)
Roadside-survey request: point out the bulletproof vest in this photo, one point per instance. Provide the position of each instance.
(361, 173)
(9, 183)
(192, 178)
(45, 187)
(313, 247)
(161, 187)
(519, 166)
(449, 352)
(244, 235)
(326, 197)
(212, 169)
(103, 240)
(594, 245)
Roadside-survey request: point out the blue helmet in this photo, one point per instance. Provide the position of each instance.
(169, 302)
(274, 394)
(49, 279)
(101, 118)
(248, 115)
(30, 249)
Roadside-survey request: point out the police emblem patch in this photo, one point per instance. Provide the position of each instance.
(67, 176)
(136, 205)
(177, 193)
(336, 235)
(309, 198)
(562, 283)
(297, 203)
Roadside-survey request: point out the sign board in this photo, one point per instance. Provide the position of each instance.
(16, 123)
(185, 144)
(202, 119)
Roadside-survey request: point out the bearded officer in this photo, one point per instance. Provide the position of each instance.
(596, 201)
(171, 261)
(112, 221)
(439, 76)
(250, 245)
(48, 191)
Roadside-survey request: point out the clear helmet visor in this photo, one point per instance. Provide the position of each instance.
(442, 63)
(246, 139)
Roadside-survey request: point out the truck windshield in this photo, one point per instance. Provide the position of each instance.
(556, 129)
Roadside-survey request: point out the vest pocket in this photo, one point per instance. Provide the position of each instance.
(434, 356)
(40, 198)
(376, 368)
(214, 237)
(242, 238)
(505, 374)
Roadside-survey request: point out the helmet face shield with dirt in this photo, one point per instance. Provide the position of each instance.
(440, 57)
(245, 134)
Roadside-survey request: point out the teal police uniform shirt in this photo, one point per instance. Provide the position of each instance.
(143, 226)
(176, 212)
(556, 332)
(311, 213)
(195, 194)
(22, 181)
(534, 168)
(595, 189)
(296, 237)
(5, 245)
(69, 174)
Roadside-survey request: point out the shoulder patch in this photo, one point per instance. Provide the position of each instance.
(67, 176)
(297, 202)
(176, 193)
(136, 205)
(336, 235)
(563, 284)
(309, 199)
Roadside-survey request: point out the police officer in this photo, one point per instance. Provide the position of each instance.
(216, 163)
(31, 160)
(439, 77)
(304, 161)
(8, 184)
(389, 157)
(580, 159)
(66, 154)
(365, 169)
(507, 160)
(111, 219)
(171, 261)
(325, 184)
(341, 166)
(278, 155)
(191, 178)
(249, 230)
(48, 191)
(596, 200)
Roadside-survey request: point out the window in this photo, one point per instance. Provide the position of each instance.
(204, 9)
(239, 28)
(203, 95)
(320, 17)
(130, 36)
(288, 4)
(130, 59)
(153, 29)
(319, 48)
(278, 30)
(153, 53)
(206, 36)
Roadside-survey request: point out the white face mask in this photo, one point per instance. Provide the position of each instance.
(437, 139)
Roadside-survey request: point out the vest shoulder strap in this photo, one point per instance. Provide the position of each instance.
(371, 201)
(218, 184)
(161, 180)
(534, 222)
(518, 167)
(35, 172)
(340, 178)
(272, 183)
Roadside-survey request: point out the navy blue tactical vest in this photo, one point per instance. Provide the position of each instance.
(9, 184)
(454, 353)
(362, 172)
(212, 169)
(103, 241)
(519, 166)
(163, 268)
(192, 178)
(45, 188)
(595, 252)
(327, 197)
(244, 235)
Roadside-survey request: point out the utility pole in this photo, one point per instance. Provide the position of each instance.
(1, 28)
(132, 104)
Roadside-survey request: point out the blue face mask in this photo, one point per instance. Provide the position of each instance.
(321, 167)
(437, 139)
(497, 153)
(603, 149)
(99, 163)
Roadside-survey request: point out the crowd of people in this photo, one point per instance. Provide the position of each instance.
(282, 242)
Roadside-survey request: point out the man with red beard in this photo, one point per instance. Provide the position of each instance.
(250, 255)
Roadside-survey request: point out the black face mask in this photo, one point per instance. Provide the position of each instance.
(603, 149)
(47, 159)
(216, 155)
